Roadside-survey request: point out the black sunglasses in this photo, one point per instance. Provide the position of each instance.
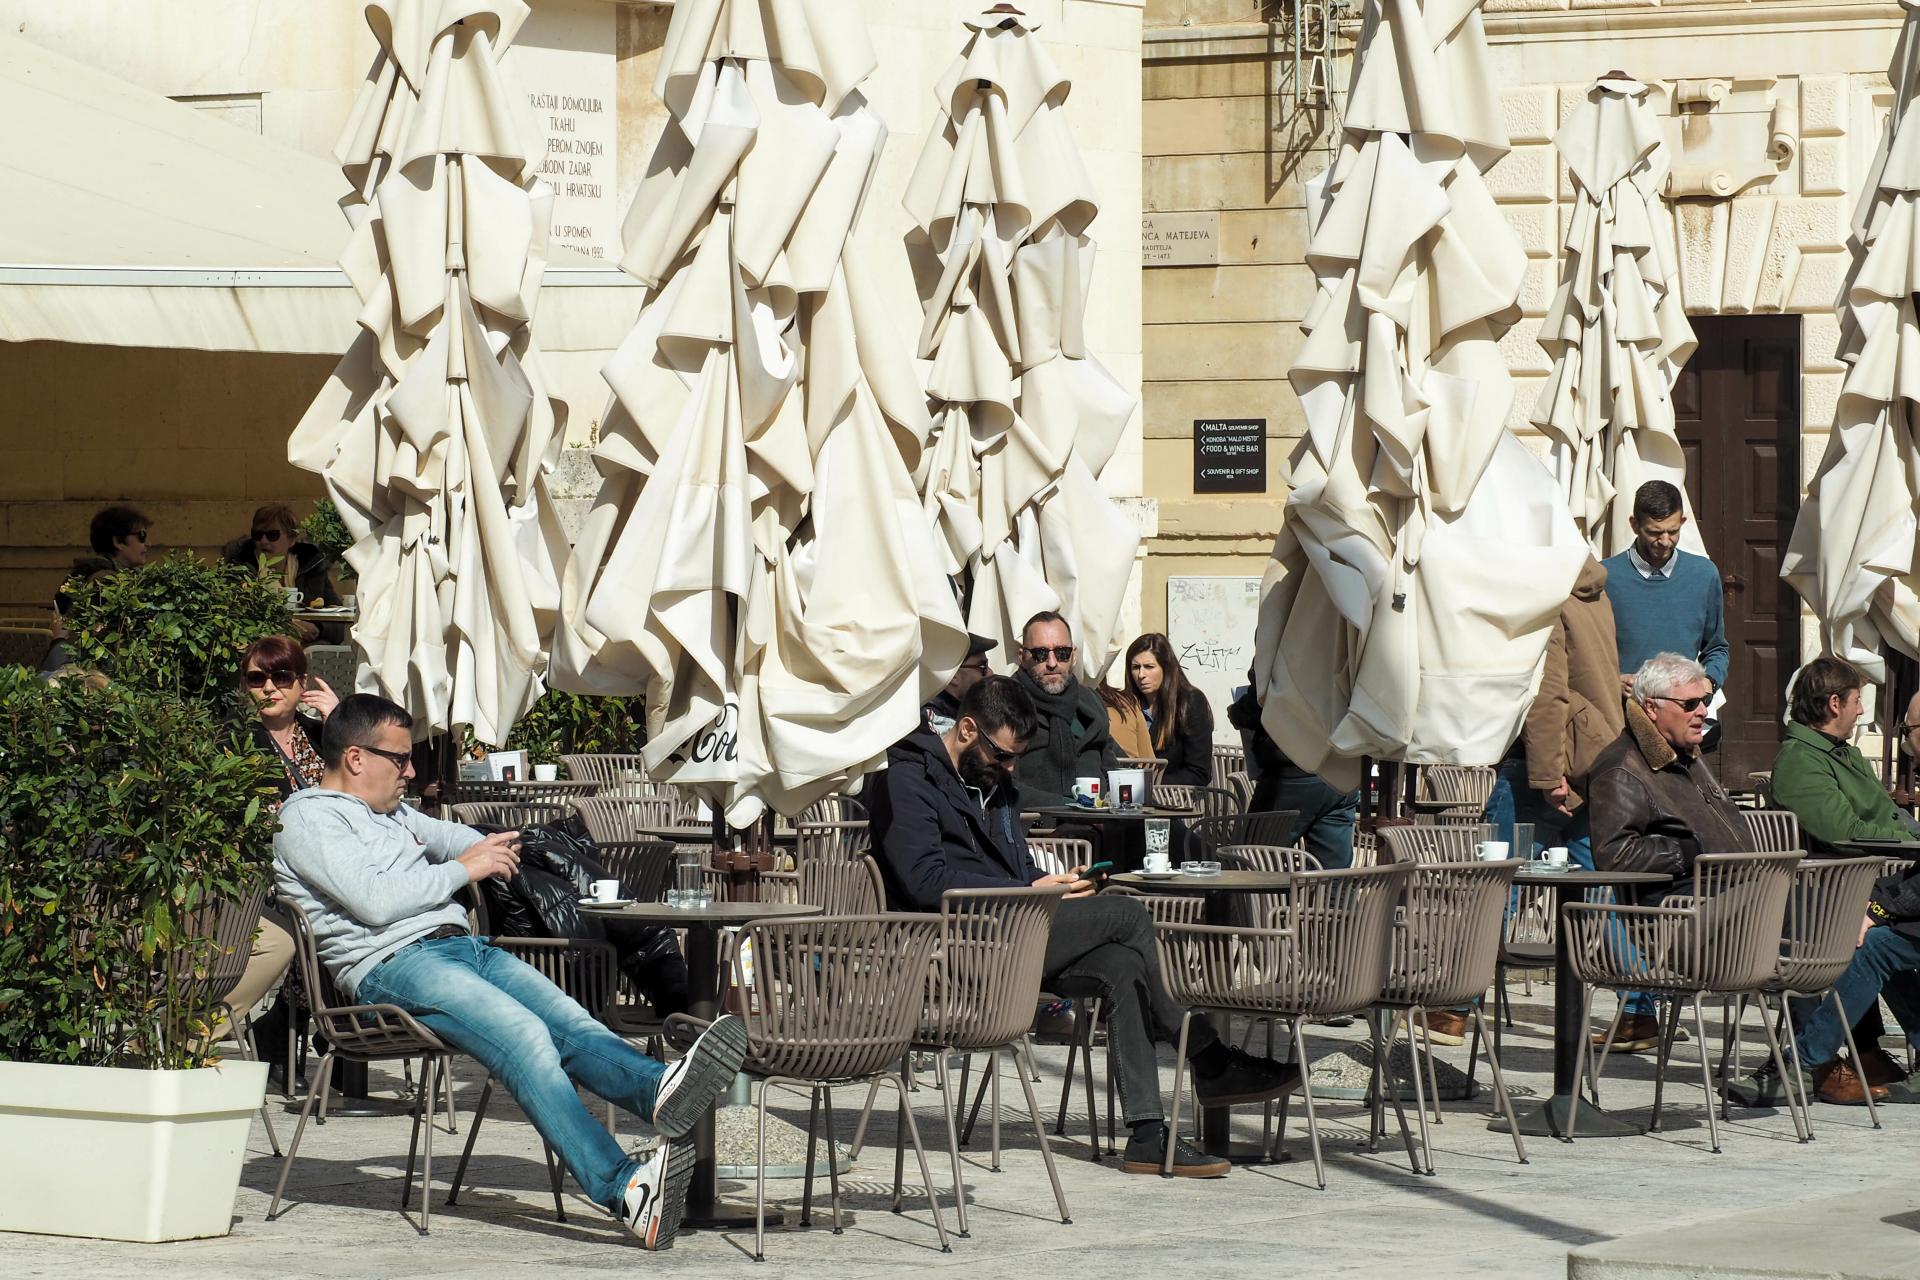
(139, 533)
(1060, 652)
(1000, 753)
(269, 535)
(1685, 704)
(282, 677)
(401, 759)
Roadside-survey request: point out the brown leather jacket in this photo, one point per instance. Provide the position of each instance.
(1655, 810)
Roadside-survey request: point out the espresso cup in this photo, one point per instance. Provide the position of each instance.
(606, 890)
(1160, 861)
(1557, 857)
(546, 773)
(1492, 850)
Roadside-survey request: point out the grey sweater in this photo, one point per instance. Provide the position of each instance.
(368, 883)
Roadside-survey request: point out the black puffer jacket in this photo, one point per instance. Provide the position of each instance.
(1655, 810)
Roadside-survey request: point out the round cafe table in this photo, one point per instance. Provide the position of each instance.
(705, 984)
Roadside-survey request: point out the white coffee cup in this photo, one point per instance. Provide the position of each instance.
(1086, 790)
(1492, 850)
(294, 597)
(606, 890)
(1157, 862)
(546, 773)
(1557, 857)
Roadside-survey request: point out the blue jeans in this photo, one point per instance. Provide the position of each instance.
(1327, 814)
(1512, 801)
(531, 1038)
(1884, 965)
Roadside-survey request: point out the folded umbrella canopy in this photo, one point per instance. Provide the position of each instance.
(757, 561)
(1424, 552)
(1024, 416)
(1851, 556)
(1616, 331)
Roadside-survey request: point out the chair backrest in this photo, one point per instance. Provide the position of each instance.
(834, 997)
(357, 1032)
(834, 808)
(1434, 844)
(335, 664)
(1742, 901)
(483, 790)
(1465, 785)
(1267, 857)
(232, 921)
(1055, 855)
(643, 867)
(585, 968)
(616, 773)
(841, 838)
(507, 814)
(1212, 802)
(1153, 766)
(1366, 847)
(986, 973)
(1772, 830)
(1822, 925)
(1227, 761)
(841, 886)
(1271, 826)
(1446, 942)
(1464, 816)
(1241, 784)
(611, 818)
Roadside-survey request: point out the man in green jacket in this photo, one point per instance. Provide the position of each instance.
(1822, 777)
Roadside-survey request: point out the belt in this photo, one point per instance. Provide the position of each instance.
(444, 931)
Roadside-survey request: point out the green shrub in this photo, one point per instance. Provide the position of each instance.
(577, 723)
(123, 813)
(324, 528)
(178, 625)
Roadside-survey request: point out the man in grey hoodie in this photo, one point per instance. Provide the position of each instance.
(376, 880)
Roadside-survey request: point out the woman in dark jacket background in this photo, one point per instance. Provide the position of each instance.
(1178, 715)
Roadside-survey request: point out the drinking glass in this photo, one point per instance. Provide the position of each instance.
(689, 878)
(1523, 841)
(1159, 837)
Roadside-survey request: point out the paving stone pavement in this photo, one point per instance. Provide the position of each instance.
(1483, 1214)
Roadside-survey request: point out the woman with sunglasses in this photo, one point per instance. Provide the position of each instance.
(1177, 714)
(292, 706)
(274, 550)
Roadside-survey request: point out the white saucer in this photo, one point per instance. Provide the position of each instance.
(610, 902)
(1160, 875)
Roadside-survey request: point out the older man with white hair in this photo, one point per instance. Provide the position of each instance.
(1653, 805)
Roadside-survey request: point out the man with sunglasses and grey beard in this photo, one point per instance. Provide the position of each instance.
(944, 815)
(377, 882)
(1070, 738)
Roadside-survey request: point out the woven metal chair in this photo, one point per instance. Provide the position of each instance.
(1273, 827)
(1328, 954)
(1212, 802)
(831, 838)
(585, 969)
(1227, 761)
(366, 1033)
(610, 818)
(1241, 784)
(613, 771)
(334, 663)
(507, 814)
(1434, 844)
(1056, 855)
(479, 790)
(233, 924)
(1724, 939)
(1153, 766)
(841, 886)
(1824, 909)
(1466, 786)
(1445, 945)
(833, 1001)
(1773, 830)
(834, 808)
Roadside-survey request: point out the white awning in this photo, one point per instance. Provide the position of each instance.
(131, 220)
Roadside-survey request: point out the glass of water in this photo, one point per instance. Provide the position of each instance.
(1159, 838)
(1523, 841)
(689, 878)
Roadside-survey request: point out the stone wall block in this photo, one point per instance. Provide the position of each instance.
(1823, 106)
(1700, 229)
(1537, 227)
(1749, 223)
(1525, 175)
(1819, 338)
(1529, 114)
(1823, 167)
(1819, 396)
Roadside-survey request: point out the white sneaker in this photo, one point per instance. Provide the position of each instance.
(655, 1198)
(688, 1089)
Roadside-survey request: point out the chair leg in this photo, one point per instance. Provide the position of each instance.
(1606, 1047)
(953, 1138)
(833, 1165)
(1662, 1056)
(1796, 1094)
(1086, 1073)
(1433, 1077)
(1306, 1092)
(993, 1065)
(760, 1172)
(286, 1085)
(1376, 1088)
(1853, 1052)
(446, 1088)
(420, 1112)
(1500, 1090)
(866, 1113)
(1266, 1108)
(973, 1112)
(813, 1131)
(473, 1132)
(926, 1177)
(243, 1037)
(326, 1090)
(1384, 1084)
(1066, 1077)
(1473, 1053)
(293, 1148)
(1179, 1076)
(1583, 1061)
(1779, 1065)
(1735, 1011)
(553, 1182)
(1706, 1077)
(900, 1144)
(434, 1068)
(1046, 1148)
(1419, 1091)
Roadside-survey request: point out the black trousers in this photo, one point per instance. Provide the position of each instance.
(1103, 946)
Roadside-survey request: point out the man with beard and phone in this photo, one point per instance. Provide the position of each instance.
(945, 815)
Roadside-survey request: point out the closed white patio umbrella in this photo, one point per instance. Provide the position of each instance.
(758, 563)
(1616, 331)
(1025, 417)
(1852, 553)
(1425, 552)
(435, 433)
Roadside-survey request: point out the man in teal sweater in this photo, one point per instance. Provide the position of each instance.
(1665, 600)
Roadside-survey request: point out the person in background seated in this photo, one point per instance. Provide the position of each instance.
(118, 536)
(944, 707)
(943, 815)
(1653, 805)
(1178, 715)
(1070, 739)
(1821, 776)
(274, 550)
(1126, 722)
(377, 882)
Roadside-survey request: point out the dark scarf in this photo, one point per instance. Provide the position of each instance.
(1055, 748)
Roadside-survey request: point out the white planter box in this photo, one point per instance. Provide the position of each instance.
(124, 1155)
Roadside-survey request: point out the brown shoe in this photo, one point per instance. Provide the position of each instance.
(1443, 1026)
(1636, 1034)
(1836, 1083)
(1879, 1067)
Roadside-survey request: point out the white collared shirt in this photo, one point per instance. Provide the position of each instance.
(1646, 570)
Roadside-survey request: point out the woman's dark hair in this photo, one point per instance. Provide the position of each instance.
(1168, 707)
(110, 524)
(1825, 677)
(354, 722)
(273, 652)
(996, 703)
(1656, 500)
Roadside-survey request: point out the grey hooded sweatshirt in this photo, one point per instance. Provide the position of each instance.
(368, 883)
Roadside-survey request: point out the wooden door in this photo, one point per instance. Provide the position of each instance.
(1738, 409)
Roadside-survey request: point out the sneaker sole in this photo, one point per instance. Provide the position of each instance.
(1446, 1038)
(708, 1071)
(1179, 1170)
(673, 1199)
